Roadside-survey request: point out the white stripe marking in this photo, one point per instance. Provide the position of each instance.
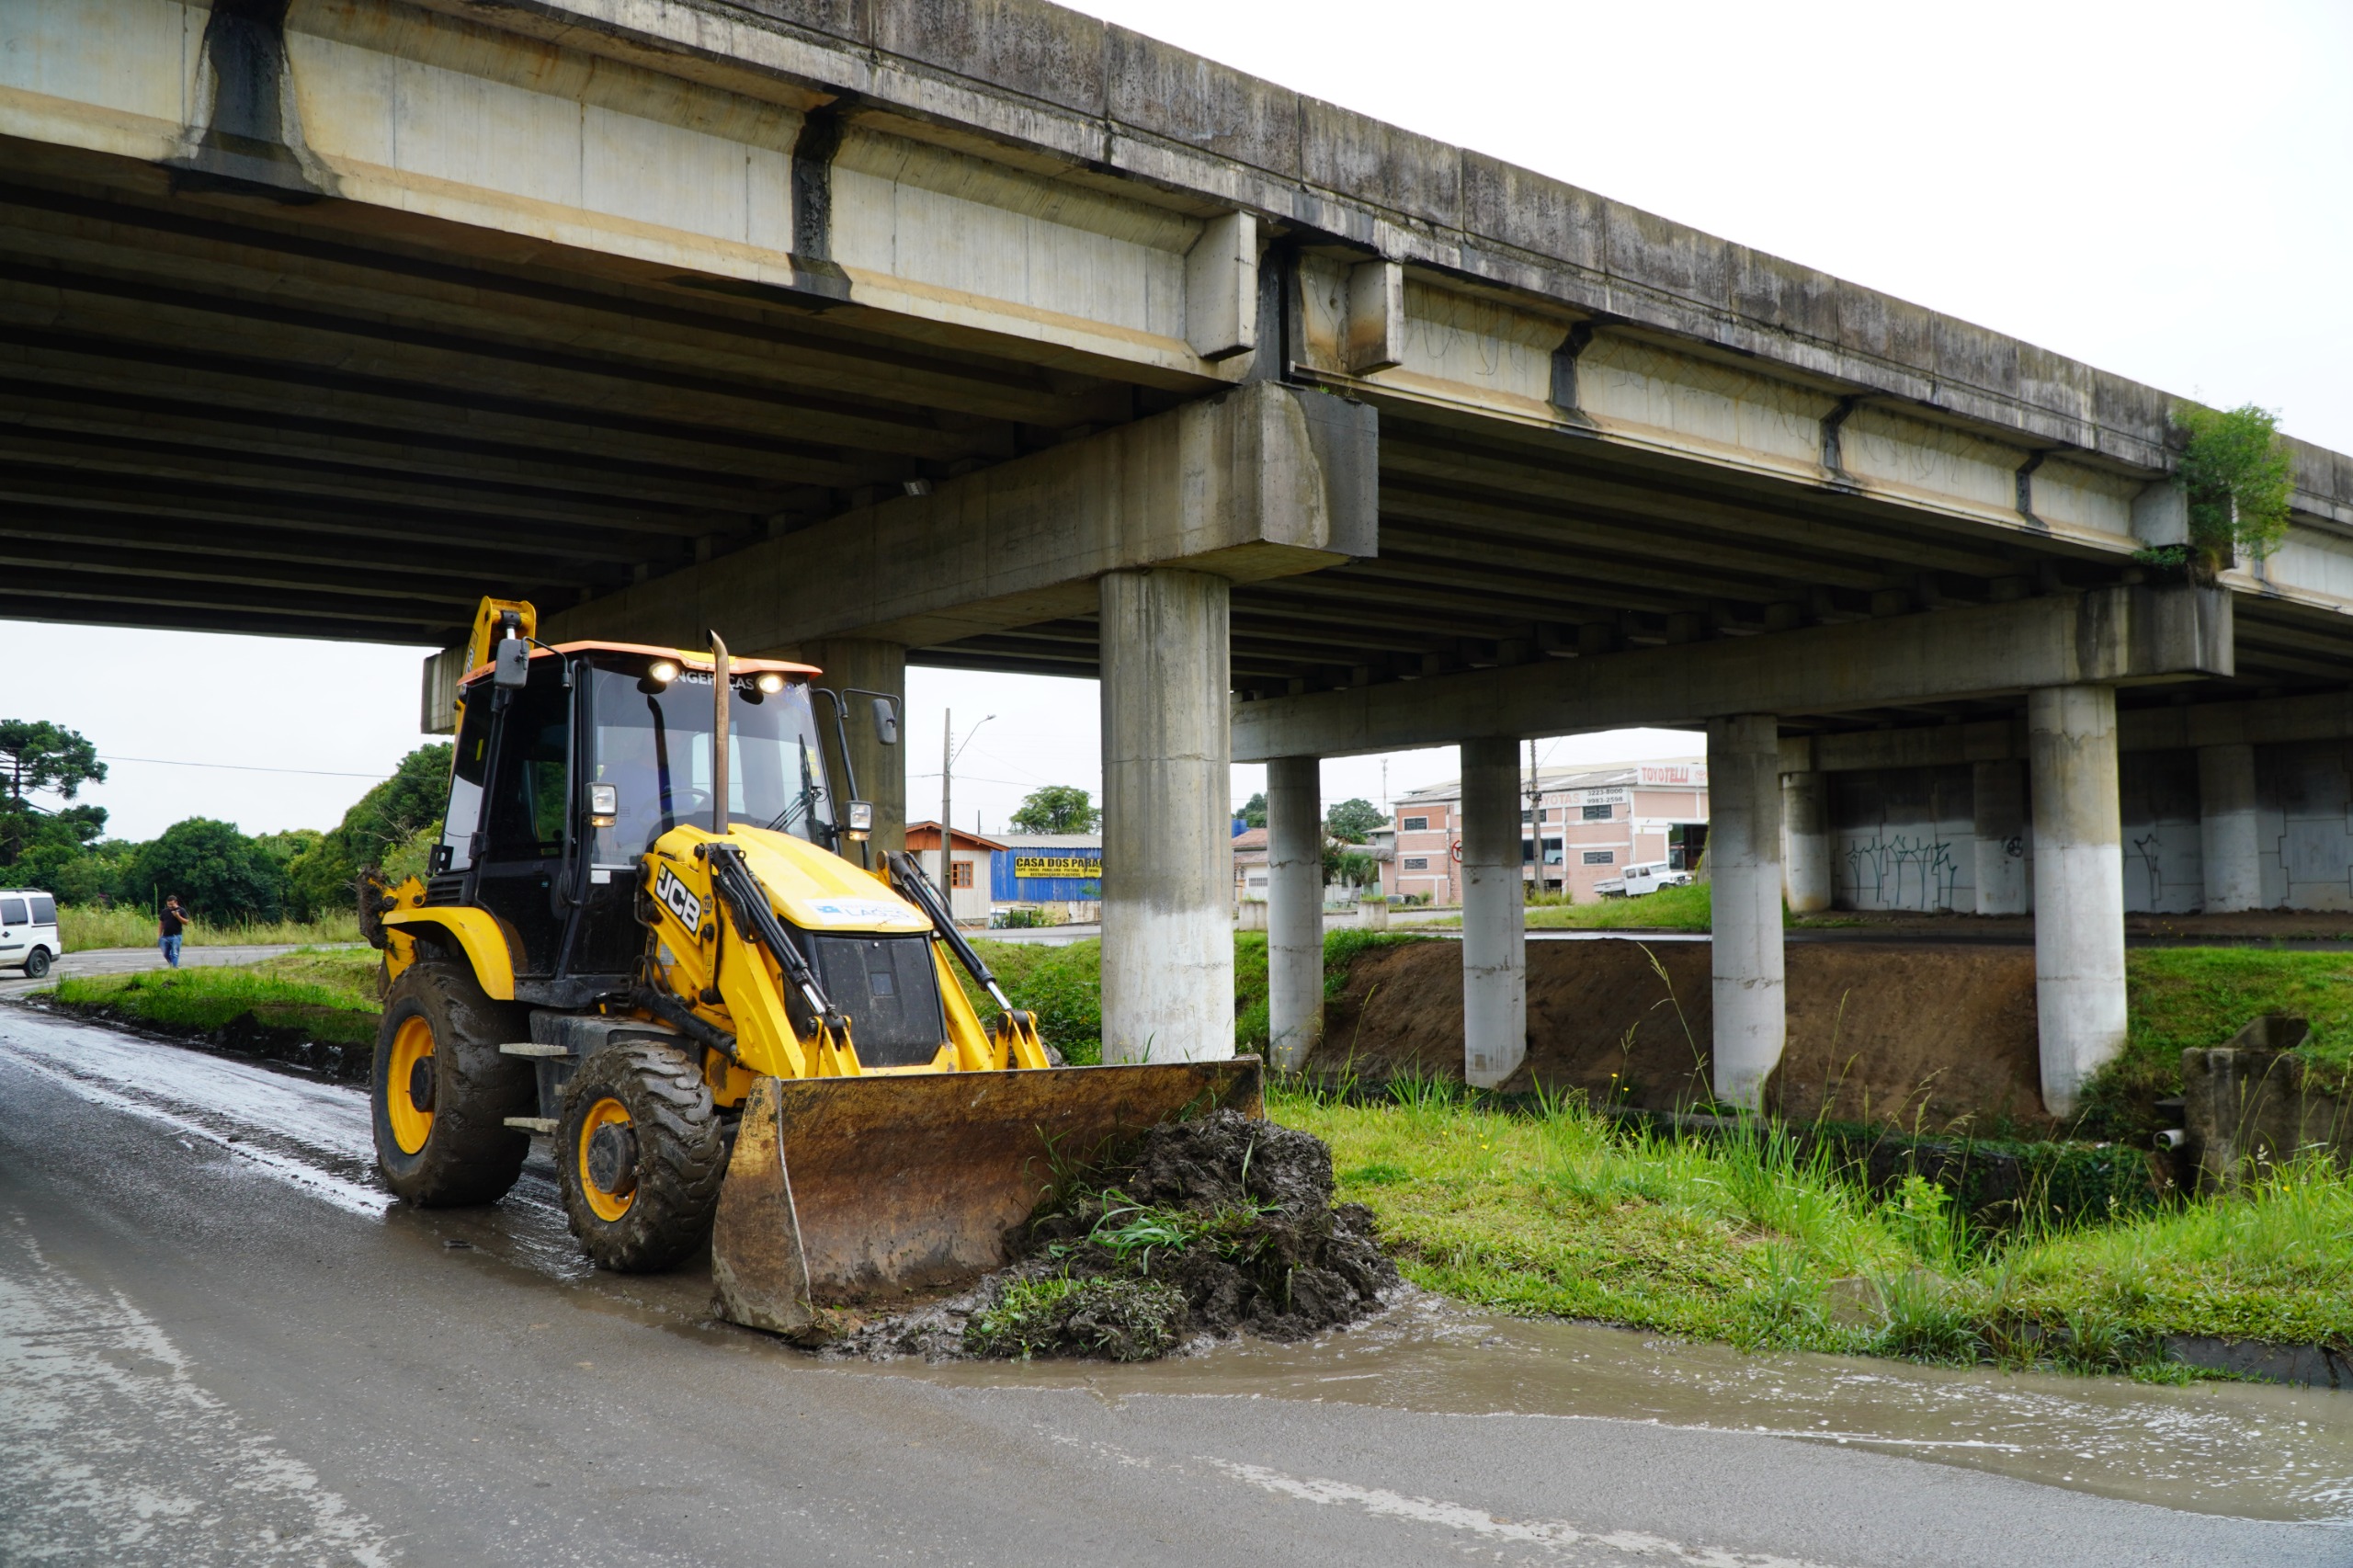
(1551, 1533)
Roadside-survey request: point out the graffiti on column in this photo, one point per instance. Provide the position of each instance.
(2147, 849)
(1920, 872)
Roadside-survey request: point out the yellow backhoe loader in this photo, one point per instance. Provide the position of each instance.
(657, 952)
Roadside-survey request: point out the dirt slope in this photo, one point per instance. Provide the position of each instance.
(1927, 1036)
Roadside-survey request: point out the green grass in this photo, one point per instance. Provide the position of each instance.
(82, 927)
(1562, 1213)
(2180, 998)
(330, 996)
(1688, 908)
(1063, 985)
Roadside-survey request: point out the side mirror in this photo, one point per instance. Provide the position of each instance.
(510, 662)
(604, 805)
(886, 721)
(861, 821)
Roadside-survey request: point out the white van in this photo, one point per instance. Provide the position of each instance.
(1644, 878)
(28, 931)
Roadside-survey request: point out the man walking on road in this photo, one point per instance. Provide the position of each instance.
(168, 930)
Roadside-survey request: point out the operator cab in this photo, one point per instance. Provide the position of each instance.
(568, 768)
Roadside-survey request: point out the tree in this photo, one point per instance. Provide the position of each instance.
(2239, 477)
(324, 875)
(218, 872)
(1352, 821)
(1057, 808)
(1254, 810)
(37, 756)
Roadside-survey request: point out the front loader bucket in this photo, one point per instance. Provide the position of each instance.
(845, 1189)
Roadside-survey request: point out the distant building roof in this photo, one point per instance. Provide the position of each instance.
(926, 835)
(1553, 780)
(1051, 841)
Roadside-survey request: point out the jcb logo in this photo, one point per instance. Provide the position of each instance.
(678, 900)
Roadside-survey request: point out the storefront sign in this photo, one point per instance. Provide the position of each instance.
(1041, 867)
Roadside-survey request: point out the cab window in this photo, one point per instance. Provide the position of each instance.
(527, 799)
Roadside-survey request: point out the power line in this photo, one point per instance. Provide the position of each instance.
(244, 767)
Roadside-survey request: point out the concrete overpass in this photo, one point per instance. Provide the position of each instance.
(979, 333)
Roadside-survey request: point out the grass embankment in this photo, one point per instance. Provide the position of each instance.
(329, 996)
(1744, 1240)
(1064, 985)
(82, 927)
(1688, 908)
(2182, 997)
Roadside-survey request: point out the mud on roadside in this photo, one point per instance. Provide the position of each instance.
(1219, 1226)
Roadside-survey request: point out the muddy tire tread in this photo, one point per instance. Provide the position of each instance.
(471, 1156)
(681, 1156)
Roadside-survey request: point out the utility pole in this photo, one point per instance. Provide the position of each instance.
(946, 797)
(948, 752)
(1535, 818)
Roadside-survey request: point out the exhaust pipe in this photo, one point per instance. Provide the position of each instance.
(721, 684)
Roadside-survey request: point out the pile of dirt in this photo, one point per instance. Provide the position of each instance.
(1217, 1226)
(1937, 1037)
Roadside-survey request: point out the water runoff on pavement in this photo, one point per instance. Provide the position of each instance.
(2240, 1449)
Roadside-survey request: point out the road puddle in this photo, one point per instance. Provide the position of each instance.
(2245, 1450)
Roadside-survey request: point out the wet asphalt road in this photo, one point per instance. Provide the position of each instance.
(220, 1343)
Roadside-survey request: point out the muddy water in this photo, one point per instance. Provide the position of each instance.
(2238, 1448)
(2241, 1450)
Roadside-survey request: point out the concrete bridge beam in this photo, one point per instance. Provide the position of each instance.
(1744, 871)
(1495, 916)
(2114, 636)
(1294, 910)
(1168, 854)
(1258, 482)
(2078, 886)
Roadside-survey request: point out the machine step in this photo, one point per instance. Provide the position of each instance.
(544, 1125)
(532, 1048)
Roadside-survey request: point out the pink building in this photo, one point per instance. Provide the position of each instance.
(1595, 823)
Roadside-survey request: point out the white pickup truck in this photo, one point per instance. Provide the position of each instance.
(1644, 879)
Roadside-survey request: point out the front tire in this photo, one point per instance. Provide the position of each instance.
(442, 1091)
(37, 965)
(640, 1155)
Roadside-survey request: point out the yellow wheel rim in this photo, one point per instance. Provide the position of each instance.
(411, 1123)
(606, 1205)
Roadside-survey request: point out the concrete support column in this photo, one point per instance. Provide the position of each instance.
(2226, 828)
(1745, 868)
(1997, 795)
(1167, 851)
(1805, 842)
(1294, 909)
(1495, 916)
(882, 770)
(2078, 886)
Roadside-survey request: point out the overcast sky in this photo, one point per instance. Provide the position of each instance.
(2162, 190)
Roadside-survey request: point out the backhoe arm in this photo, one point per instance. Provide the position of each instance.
(1016, 1030)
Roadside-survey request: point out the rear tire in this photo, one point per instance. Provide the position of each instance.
(37, 965)
(639, 1155)
(441, 1090)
